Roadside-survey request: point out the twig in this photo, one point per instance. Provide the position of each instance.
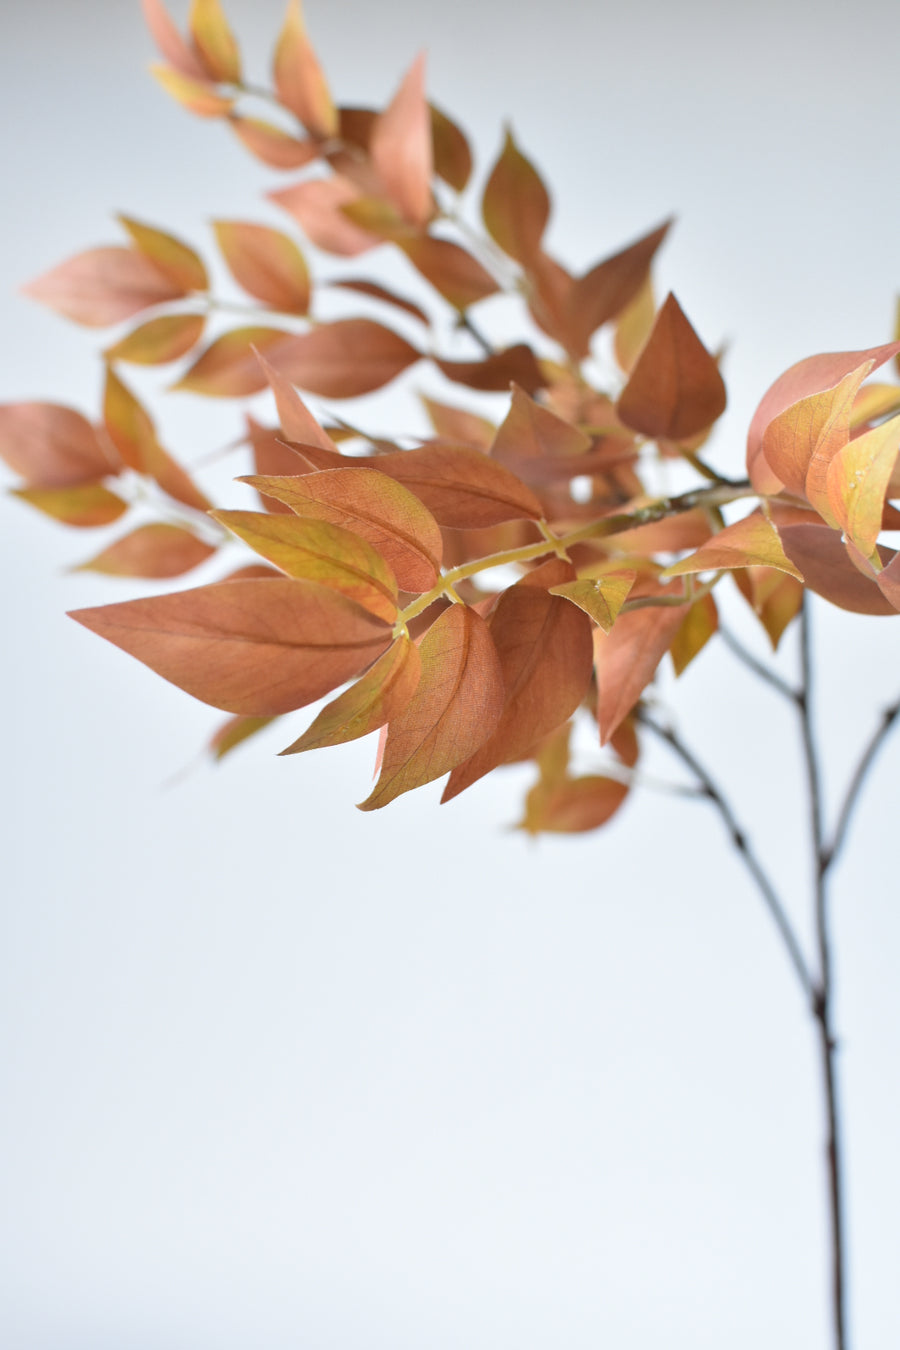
(474, 331)
(857, 782)
(750, 661)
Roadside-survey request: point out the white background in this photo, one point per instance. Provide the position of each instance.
(279, 1074)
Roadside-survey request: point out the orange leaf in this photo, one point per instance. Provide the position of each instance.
(156, 550)
(675, 389)
(459, 425)
(297, 422)
(545, 651)
(377, 292)
(530, 433)
(497, 372)
(132, 432)
(603, 292)
(346, 358)
(214, 41)
(158, 341)
(170, 42)
(450, 269)
(626, 659)
(52, 446)
(697, 627)
(317, 207)
(82, 504)
(400, 146)
(272, 145)
(373, 506)
(175, 259)
(456, 706)
(573, 805)
(103, 286)
(751, 542)
(229, 367)
(450, 150)
(826, 569)
(800, 442)
(266, 263)
(299, 80)
(234, 732)
(810, 376)
(198, 96)
(321, 552)
(857, 482)
(381, 694)
(601, 598)
(272, 457)
(254, 647)
(516, 205)
(889, 581)
(633, 327)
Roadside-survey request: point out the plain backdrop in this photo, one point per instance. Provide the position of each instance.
(279, 1074)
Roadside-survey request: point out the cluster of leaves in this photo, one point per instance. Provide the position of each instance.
(375, 562)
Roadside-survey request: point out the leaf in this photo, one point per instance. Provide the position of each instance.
(132, 432)
(381, 694)
(497, 372)
(266, 263)
(346, 358)
(675, 389)
(810, 376)
(159, 341)
(299, 79)
(317, 205)
(888, 580)
(857, 481)
(532, 434)
(170, 42)
(271, 145)
(822, 560)
(103, 286)
(320, 552)
(271, 457)
(751, 542)
(82, 504)
(459, 425)
(450, 269)
(297, 422)
(229, 367)
(51, 446)
(234, 732)
(573, 805)
(873, 402)
(373, 506)
(626, 659)
(604, 292)
(258, 648)
(456, 706)
(450, 150)
(634, 326)
(175, 259)
(377, 292)
(156, 550)
(697, 627)
(601, 598)
(400, 146)
(516, 205)
(546, 655)
(198, 96)
(214, 41)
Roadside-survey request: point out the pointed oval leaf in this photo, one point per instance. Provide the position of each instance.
(459, 425)
(450, 269)
(697, 627)
(822, 559)
(159, 341)
(83, 504)
(857, 481)
(266, 263)
(675, 389)
(198, 96)
(633, 327)
(131, 430)
(374, 506)
(175, 259)
(603, 292)
(259, 648)
(229, 367)
(271, 145)
(573, 805)
(317, 208)
(513, 365)
(400, 146)
(214, 41)
(234, 732)
(530, 432)
(377, 292)
(155, 550)
(299, 79)
(516, 205)
(450, 150)
(170, 42)
(297, 422)
(601, 598)
(889, 581)
(811, 431)
(50, 445)
(455, 708)
(321, 552)
(346, 358)
(380, 695)
(103, 286)
(751, 542)
(625, 660)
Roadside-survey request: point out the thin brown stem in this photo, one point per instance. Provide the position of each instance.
(857, 782)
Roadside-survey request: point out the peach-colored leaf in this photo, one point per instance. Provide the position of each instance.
(530, 432)
(822, 560)
(810, 376)
(52, 446)
(234, 732)
(455, 708)
(376, 292)
(272, 457)
(229, 367)
(516, 205)
(496, 373)
(544, 646)
(603, 292)
(450, 150)
(214, 42)
(381, 694)
(697, 627)
(170, 42)
(857, 481)
(873, 402)
(297, 422)
(322, 552)
(675, 389)
(271, 145)
(266, 263)
(751, 542)
(199, 96)
(131, 430)
(889, 581)
(155, 550)
(317, 207)
(459, 425)
(299, 79)
(345, 358)
(82, 504)
(450, 269)
(175, 259)
(625, 660)
(400, 146)
(158, 341)
(259, 648)
(601, 598)
(633, 327)
(103, 286)
(374, 506)
(573, 805)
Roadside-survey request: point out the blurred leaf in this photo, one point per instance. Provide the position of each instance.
(299, 80)
(170, 42)
(400, 146)
(381, 694)
(229, 367)
(50, 445)
(317, 205)
(675, 389)
(604, 292)
(103, 286)
(234, 732)
(377, 292)
(625, 660)
(271, 145)
(82, 504)
(572, 806)
(177, 260)
(531, 433)
(156, 550)
(450, 269)
(345, 358)
(496, 373)
(131, 430)
(456, 424)
(198, 96)
(633, 327)
(516, 205)
(266, 263)
(297, 422)
(159, 341)
(450, 150)
(697, 627)
(214, 41)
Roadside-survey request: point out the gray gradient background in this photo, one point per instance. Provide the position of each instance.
(279, 1074)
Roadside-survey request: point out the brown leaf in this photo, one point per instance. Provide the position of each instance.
(697, 627)
(175, 259)
(297, 422)
(496, 373)
(271, 457)
(381, 694)
(198, 96)
(400, 146)
(625, 660)
(531, 434)
(456, 706)
(377, 292)
(82, 504)
(633, 327)
(259, 648)
(460, 426)
(601, 598)
(345, 358)
(675, 389)
(299, 80)
(156, 550)
(800, 442)
(317, 205)
(131, 430)
(822, 560)
(159, 341)
(751, 542)
(214, 41)
(170, 42)
(103, 286)
(451, 270)
(52, 446)
(450, 150)
(229, 367)
(603, 292)
(271, 145)
(572, 806)
(516, 205)
(266, 263)
(234, 732)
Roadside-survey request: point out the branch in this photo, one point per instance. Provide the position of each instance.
(857, 782)
(750, 661)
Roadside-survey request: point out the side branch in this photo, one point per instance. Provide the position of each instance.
(857, 782)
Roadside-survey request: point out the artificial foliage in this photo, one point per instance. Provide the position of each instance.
(370, 568)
